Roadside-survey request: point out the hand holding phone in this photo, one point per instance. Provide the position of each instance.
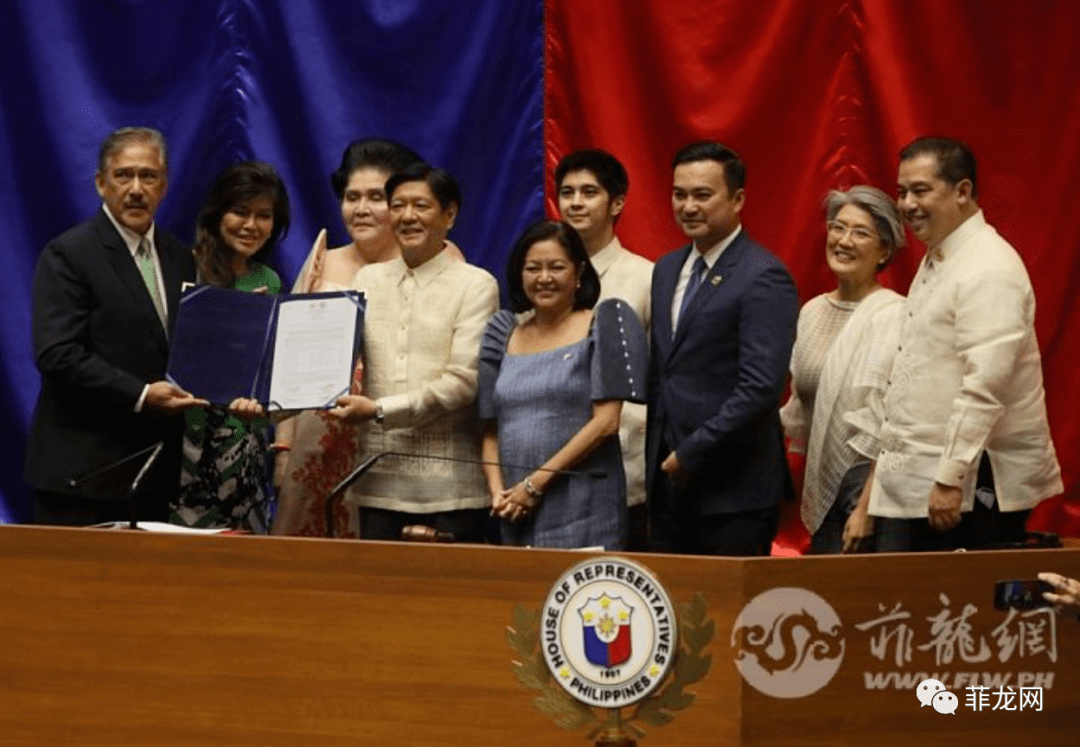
(1064, 592)
(1021, 594)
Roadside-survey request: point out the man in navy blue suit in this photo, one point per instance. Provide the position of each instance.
(723, 323)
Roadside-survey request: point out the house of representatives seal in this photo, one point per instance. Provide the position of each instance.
(608, 632)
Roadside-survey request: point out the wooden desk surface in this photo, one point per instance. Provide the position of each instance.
(127, 638)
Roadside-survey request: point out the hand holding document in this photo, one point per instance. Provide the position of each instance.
(313, 352)
(286, 352)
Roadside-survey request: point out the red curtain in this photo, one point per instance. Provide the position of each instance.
(817, 94)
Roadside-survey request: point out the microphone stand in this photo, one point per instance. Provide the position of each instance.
(333, 495)
(115, 472)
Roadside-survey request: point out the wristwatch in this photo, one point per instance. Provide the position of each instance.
(380, 415)
(532, 490)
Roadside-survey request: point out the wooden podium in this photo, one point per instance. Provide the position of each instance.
(129, 638)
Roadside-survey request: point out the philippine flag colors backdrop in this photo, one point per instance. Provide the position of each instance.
(814, 94)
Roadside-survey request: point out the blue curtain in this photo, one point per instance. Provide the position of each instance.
(284, 81)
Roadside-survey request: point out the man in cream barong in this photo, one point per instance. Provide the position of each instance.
(965, 444)
(426, 313)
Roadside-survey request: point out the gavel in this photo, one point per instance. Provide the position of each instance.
(423, 533)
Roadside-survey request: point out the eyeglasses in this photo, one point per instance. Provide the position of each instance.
(838, 231)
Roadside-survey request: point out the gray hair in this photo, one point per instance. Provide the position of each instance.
(118, 139)
(881, 208)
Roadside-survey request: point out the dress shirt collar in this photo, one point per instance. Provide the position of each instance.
(960, 235)
(131, 239)
(713, 253)
(426, 272)
(604, 258)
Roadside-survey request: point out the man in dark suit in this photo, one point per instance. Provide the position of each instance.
(105, 295)
(723, 323)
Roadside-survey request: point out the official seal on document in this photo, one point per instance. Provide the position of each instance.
(608, 632)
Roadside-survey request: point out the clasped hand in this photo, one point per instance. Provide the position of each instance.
(513, 504)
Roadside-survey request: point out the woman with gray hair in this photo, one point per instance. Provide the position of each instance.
(840, 363)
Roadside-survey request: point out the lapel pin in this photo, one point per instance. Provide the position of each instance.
(715, 280)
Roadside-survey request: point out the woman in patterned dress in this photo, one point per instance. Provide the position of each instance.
(223, 474)
(314, 450)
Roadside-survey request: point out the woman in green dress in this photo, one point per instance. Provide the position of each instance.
(223, 477)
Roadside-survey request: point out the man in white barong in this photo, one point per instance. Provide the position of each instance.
(966, 451)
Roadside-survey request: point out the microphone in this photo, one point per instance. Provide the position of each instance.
(116, 473)
(146, 466)
(332, 496)
(133, 501)
(113, 468)
(369, 462)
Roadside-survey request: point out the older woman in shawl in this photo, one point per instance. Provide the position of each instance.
(840, 363)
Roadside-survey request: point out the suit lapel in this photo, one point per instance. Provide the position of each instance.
(123, 265)
(666, 284)
(172, 273)
(716, 279)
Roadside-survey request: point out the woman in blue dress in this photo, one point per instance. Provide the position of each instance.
(552, 381)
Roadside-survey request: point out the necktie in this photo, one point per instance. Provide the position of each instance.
(146, 269)
(692, 285)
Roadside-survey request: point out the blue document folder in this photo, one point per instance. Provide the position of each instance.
(225, 340)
